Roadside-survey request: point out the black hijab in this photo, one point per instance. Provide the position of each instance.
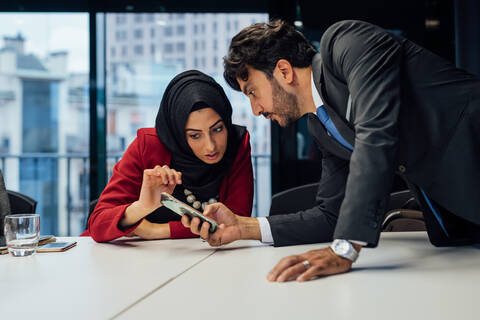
(190, 91)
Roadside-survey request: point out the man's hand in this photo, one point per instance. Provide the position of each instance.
(231, 227)
(323, 262)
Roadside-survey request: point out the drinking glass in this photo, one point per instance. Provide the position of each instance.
(21, 233)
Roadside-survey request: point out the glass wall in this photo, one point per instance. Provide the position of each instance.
(44, 114)
(146, 50)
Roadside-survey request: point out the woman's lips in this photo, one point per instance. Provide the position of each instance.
(212, 156)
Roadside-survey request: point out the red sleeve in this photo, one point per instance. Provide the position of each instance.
(236, 191)
(122, 190)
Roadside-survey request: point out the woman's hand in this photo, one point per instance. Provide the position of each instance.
(150, 231)
(155, 181)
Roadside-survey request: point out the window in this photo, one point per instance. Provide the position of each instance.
(112, 51)
(124, 51)
(228, 26)
(180, 30)
(168, 31)
(133, 94)
(168, 48)
(138, 50)
(121, 19)
(181, 47)
(121, 35)
(138, 34)
(138, 18)
(44, 122)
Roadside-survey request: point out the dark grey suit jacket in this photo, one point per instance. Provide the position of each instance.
(412, 112)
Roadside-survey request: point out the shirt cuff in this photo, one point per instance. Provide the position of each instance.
(265, 230)
(362, 243)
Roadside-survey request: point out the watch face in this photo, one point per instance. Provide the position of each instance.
(342, 247)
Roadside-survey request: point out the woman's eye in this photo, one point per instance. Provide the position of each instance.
(219, 129)
(194, 136)
(251, 92)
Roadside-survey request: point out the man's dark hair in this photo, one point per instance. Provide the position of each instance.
(261, 45)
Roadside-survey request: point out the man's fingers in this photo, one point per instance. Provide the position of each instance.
(194, 225)
(204, 234)
(283, 264)
(312, 272)
(292, 272)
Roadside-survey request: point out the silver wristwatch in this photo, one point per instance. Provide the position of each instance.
(344, 249)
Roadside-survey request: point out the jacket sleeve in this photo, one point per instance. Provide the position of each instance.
(318, 223)
(236, 191)
(369, 60)
(122, 190)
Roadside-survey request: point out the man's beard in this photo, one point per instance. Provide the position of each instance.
(285, 105)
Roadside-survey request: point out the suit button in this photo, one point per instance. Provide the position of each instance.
(402, 168)
(373, 224)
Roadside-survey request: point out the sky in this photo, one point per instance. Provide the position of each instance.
(49, 32)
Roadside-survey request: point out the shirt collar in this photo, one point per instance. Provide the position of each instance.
(316, 96)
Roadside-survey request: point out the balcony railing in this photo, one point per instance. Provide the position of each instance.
(71, 173)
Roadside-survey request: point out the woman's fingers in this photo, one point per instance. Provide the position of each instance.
(165, 175)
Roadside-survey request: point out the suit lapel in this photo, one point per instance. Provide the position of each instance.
(317, 130)
(340, 122)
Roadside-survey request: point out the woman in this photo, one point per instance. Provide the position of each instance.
(194, 153)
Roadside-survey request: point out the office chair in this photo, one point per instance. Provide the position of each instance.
(91, 207)
(403, 213)
(20, 203)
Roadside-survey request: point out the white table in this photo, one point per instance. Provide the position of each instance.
(404, 278)
(92, 280)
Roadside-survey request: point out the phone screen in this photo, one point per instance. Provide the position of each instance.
(181, 208)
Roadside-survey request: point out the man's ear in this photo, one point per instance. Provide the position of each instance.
(284, 71)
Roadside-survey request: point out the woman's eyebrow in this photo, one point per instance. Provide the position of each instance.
(213, 125)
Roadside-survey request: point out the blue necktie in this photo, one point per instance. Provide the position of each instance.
(328, 124)
(332, 130)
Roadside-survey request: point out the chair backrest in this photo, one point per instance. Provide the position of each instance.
(402, 214)
(20, 203)
(91, 207)
(4, 207)
(294, 199)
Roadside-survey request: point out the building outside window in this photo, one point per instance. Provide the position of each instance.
(138, 34)
(138, 50)
(44, 108)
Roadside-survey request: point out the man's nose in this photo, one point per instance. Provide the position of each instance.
(256, 108)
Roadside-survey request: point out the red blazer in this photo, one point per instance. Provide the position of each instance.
(145, 152)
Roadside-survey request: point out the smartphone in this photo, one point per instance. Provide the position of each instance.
(56, 246)
(182, 208)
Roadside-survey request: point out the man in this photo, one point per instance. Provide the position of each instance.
(377, 105)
